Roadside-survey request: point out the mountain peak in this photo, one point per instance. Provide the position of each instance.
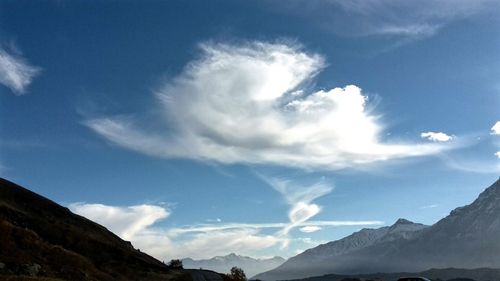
(493, 191)
(402, 221)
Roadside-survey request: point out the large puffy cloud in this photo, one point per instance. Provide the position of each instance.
(250, 104)
(139, 224)
(15, 72)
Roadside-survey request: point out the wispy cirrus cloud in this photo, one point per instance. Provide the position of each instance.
(431, 206)
(249, 103)
(300, 199)
(411, 20)
(15, 71)
(227, 226)
(139, 224)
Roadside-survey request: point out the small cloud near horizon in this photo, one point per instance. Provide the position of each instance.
(495, 129)
(310, 228)
(432, 206)
(436, 136)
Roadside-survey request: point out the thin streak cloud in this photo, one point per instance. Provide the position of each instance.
(227, 226)
(139, 224)
(412, 20)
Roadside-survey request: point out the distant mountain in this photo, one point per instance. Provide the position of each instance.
(359, 240)
(312, 261)
(223, 264)
(46, 241)
(468, 238)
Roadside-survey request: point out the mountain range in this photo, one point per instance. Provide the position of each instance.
(223, 264)
(469, 237)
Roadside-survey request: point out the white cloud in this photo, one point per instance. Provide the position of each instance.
(410, 30)
(471, 165)
(15, 72)
(432, 206)
(495, 130)
(249, 104)
(228, 226)
(126, 222)
(300, 199)
(407, 19)
(436, 136)
(310, 228)
(138, 224)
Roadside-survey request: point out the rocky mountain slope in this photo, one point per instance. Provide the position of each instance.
(223, 264)
(42, 239)
(468, 238)
(312, 260)
(359, 240)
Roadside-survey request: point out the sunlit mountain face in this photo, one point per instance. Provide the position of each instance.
(224, 134)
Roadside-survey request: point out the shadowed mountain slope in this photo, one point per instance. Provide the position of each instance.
(41, 238)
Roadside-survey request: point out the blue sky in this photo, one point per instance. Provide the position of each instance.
(196, 128)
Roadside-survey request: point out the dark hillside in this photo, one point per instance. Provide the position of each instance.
(41, 238)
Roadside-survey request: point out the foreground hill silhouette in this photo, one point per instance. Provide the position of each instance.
(41, 238)
(469, 237)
